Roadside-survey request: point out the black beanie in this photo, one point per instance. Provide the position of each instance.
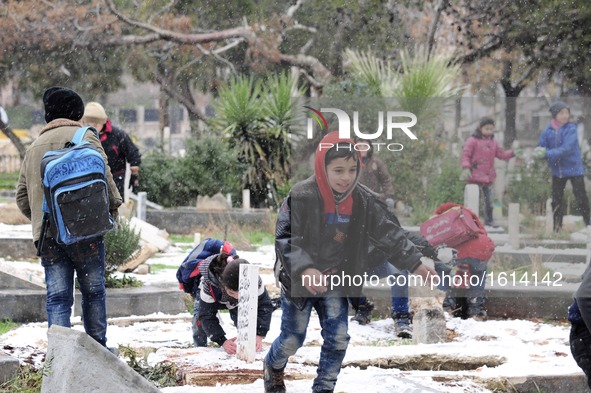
(557, 107)
(62, 103)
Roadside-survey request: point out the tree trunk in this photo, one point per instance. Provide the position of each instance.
(586, 98)
(13, 138)
(511, 94)
(163, 116)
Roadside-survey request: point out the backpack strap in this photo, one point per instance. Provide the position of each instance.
(80, 132)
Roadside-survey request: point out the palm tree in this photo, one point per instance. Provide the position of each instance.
(422, 84)
(257, 117)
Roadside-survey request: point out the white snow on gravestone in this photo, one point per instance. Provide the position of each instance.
(247, 312)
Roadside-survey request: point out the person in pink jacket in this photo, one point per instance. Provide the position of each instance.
(478, 162)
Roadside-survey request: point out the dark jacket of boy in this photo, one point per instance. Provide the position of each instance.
(304, 233)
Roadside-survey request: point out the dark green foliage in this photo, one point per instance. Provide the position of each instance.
(256, 117)
(531, 187)
(446, 186)
(120, 244)
(208, 167)
(414, 167)
(163, 374)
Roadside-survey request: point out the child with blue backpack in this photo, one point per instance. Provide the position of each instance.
(211, 274)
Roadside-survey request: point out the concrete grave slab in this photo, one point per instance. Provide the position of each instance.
(8, 367)
(11, 277)
(76, 363)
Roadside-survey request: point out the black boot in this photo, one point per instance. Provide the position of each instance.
(273, 379)
(402, 324)
(363, 313)
(476, 309)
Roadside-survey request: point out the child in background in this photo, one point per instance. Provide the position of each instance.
(478, 163)
(468, 300)
(325, 227)
(560, 146)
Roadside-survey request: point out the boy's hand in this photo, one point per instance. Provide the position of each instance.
(259, 343)
(230, 346)
(426, 272)
(315, 277)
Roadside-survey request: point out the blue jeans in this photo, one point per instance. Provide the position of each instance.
(87, 259)
(474, 294)
(399, 292)
(332, 312)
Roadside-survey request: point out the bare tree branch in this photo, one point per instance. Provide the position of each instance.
(181, 38)
(433, 28)
(220, 58)
(183, 99)
(292, 10)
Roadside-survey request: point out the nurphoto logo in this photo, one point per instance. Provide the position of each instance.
(393, 124)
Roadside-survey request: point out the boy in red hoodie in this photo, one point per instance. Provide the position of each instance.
(324, 229)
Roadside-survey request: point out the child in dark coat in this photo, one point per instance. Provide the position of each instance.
(323, 231)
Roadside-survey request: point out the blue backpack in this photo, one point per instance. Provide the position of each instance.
(188, 274)
(76, 197)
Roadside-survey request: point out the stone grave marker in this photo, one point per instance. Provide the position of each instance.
(247, 312)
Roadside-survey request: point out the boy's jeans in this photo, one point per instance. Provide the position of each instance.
(87, 259)
(332, 313)
(399, 292)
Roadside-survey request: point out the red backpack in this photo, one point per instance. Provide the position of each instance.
(452, 227)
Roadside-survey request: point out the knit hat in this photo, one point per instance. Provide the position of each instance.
(557, 107)
(94, 112)
(62, 103)
(485, 121)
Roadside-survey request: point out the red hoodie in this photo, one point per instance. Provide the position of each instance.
(345, 201)
(480, 248)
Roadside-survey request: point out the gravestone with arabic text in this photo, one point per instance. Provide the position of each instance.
(247, 312)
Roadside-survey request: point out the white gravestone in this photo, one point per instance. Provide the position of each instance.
(514, 225)
(247, 312)
(472, 197)
(549, 217)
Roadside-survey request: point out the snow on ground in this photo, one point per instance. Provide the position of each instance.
(525, 347)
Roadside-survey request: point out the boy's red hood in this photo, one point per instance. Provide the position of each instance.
(345, 204)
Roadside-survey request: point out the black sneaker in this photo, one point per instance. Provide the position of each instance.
(402, 325)
(273, 379)
(363, 313)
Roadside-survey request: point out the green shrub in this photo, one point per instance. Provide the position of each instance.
(120, 245)
(207, 168)
(531, 187)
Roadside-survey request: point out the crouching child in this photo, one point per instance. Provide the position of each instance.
(219, 290)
